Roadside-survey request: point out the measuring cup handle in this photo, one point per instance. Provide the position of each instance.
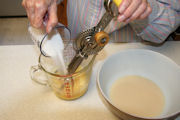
(38, 76)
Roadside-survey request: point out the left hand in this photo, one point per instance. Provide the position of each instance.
(37, 11)
(133, 10)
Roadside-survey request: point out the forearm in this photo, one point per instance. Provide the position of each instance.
(164, 19)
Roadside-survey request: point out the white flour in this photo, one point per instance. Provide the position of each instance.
(53, 46)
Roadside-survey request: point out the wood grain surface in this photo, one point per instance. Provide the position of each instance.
(62, 16)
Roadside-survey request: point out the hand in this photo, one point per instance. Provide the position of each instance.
(39, 11)
(133, 10)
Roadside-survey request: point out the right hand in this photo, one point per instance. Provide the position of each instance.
(40, 11)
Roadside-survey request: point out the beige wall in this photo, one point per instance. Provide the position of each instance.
(11, 8)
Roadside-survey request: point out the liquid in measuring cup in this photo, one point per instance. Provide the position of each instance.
(70, 87)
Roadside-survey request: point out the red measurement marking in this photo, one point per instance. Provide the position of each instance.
(67, 90)
(67, 83)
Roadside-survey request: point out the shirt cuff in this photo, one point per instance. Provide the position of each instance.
(159, 25)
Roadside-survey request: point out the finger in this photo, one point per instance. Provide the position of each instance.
(30, 6)
(30, 11)
(132, 8)
(139, 11)
(146, 13)
(30, 17)
(124, 5)
(23, 3)
(52, 21)
(40, 11)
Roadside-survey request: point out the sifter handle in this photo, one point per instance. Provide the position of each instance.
(76, 61)
(117, 2)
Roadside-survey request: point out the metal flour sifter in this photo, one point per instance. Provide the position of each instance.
(93, 40)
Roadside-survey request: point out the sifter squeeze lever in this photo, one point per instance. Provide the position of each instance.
(93, 40)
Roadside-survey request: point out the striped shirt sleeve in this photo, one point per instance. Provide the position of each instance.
(164, 19)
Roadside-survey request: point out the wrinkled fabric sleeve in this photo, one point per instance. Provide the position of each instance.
(164, 19)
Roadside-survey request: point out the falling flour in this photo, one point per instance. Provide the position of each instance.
(53, 46)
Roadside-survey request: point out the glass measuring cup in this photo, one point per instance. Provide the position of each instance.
(64, 86)
(47, 72)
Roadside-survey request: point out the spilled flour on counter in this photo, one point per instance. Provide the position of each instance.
(53, 46)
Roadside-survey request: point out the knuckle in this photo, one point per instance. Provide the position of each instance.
(40, 4)
(144, 5)
(127, 14)
(37, 5)
(29, 4)
(54, 22)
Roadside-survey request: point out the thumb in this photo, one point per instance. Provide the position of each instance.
(52, 17)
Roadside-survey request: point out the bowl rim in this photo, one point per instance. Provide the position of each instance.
(108, 100)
